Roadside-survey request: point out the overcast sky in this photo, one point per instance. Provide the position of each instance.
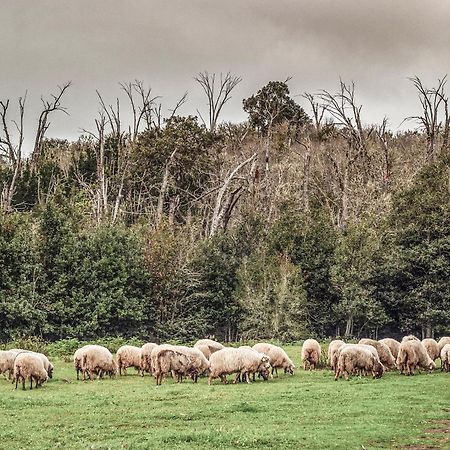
(98, 43)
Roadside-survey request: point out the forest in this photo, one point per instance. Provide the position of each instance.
(303, 221)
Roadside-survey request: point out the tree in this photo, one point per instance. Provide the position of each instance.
(216, 95)
(272, 106)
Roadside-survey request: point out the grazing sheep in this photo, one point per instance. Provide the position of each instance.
(410, 337)
(333, 352)
(392, 344)
(212, 345)
(310, 354)
(47, 364)
(78, 360)
(278, 358)
(432, 348)
(445, 358)
(29, 366)
(7, 358)
(98, 360)
(412, 355)
(197, 363)
(128, 356)
(241, 361)
(443, 341)
(166, 359)
(204, 349)
(146, 358)
(385, 355)
(354, 358)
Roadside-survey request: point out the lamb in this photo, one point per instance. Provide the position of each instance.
(98, 360)
(146, 360)
(212, 345)
(278, 358)
(128, 356)
(7, 358)
(333, 352)
(432, 348)
(392, 344)
(411, 355)
(78, 360)
(385, 355)
(310, 354)
(445, 358)
(444, 340)
(241, 361)
(354, 358)
(29, 366)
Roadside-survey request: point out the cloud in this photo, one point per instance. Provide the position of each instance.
(166, 42)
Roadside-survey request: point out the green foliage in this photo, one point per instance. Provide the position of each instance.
(413, 279)
(272, 105)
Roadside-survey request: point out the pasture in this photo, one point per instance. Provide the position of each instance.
(308, 410)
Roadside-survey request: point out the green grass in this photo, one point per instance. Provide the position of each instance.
(308, 410)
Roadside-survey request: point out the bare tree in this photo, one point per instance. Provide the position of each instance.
(50, 106)
(11, 152)
(435, 120)
(217, 95)
(223, 209)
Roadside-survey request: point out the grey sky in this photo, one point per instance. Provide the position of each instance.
(98, 43)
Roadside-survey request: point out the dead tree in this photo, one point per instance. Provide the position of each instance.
(50, 106)
(222, 209)
(10, 152)
(216, 96)
(435, 120)
(346, 115)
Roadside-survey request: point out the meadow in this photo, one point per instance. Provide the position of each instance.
(308, 410)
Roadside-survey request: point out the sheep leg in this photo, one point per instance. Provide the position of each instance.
(17, 380)
(31, 383)
(23, 383)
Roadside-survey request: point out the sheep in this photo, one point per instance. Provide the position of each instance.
(411, 355)
(392, 344)
(166, 359)
(278, 358)
(29, 366)
(432, 348)
(357, 357)
(146, 360)
(98, 360)
(47, 364)
(333, 352)
(212, 345)
(445, 358)
(128, 356)
(310, 354)
(204, 349)
(385, 355)
(241, 361)
(198, 364)
(410, 337)
(7, 358)
(369, 348)
(444, 340)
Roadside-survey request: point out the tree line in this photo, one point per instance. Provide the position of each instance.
(301, 221)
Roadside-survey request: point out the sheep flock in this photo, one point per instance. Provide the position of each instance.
(216, 361)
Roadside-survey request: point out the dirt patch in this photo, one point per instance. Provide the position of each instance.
(444, 429)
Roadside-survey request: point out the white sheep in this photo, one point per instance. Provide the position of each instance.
(412, 355)
(333, 352)
(445, 358)
(278, 358)
(356, 358)
(29, 366)
(98, 360)
(432, 348)
(128, 356)
(241, 361)
(310, 354)
(392, 344)
(146, 357)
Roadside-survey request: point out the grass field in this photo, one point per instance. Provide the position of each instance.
(308, 410)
